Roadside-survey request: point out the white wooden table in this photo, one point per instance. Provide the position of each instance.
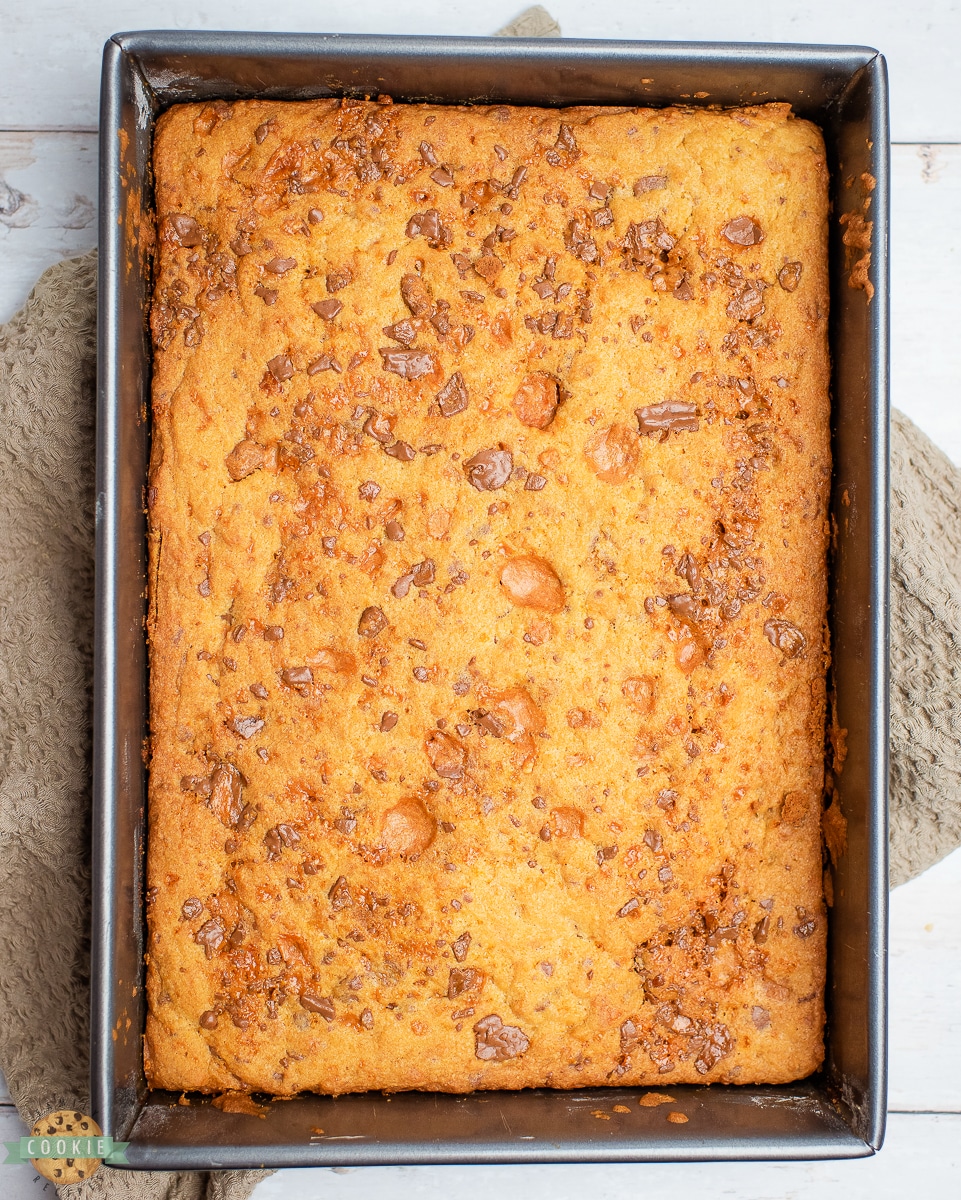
(49, 78)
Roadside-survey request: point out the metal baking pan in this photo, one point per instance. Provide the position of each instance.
(838, 1113)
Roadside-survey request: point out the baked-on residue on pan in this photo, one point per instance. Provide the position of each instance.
(488, 511)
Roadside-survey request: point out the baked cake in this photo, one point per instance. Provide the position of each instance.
(488, 528)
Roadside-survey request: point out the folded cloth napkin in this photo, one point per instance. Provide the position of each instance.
(47, 361)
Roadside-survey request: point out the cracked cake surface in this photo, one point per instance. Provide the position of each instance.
(487, 615)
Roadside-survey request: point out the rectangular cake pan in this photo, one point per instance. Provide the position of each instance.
(839, 1113)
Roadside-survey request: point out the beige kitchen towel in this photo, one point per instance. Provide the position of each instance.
(47, 357)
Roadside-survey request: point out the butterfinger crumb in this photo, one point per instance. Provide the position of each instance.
(601, 1116)
(653, 1099)
(239, 1102)
(621, 1108)
(677, 1118)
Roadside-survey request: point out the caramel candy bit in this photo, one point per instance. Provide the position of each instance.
(640, 692)
(372, 622)
(185, 230)
(531, 582)
(612, 453)
(245, 458)
(785, 636)
(535, 401)
(489, 470)
(789, 276)
(567, 822)
(667, 417)
(408, 828)
(462, 980)
(447, 756)
(496, 1042)
(743, 231)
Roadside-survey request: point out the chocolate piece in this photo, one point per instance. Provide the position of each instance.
(387, 721)
(645, 243)
(426, 151)
(211, 935)
(789, 276)
(452, 398)
(186, 230)
(496, 1042)
(336, 281)
(368, 490)
(297, 677)
(208, 1019)
(461, 946)
(429, 225)
(462, 980)
(670, 416)
(268, 295)
(339, 894)
(322, 1005)
(245, 458)
(379, 427)
(401, 451)
(442, 177)
(246, 727)
(280, 266)
(746, 303)
(372, 622)
(315, 216)
(192, 907)
(785, 636)
(273, 633)
(447, 756)
(408, 364)
(743, 231)
(394, 531)
(326, 362)
(328, 309)
(280, 367)
(403, 332)
(535, 483)
(489, 470)
(565, 139)
(650, 183)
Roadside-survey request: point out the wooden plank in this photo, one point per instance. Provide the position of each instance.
(923, 1148)
(48, 207)
(50, 51)
(925, 270)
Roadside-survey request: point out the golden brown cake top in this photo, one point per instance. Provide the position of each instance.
(488, 520)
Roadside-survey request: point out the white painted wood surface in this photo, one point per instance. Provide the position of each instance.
(50, 49)
(49, 64)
